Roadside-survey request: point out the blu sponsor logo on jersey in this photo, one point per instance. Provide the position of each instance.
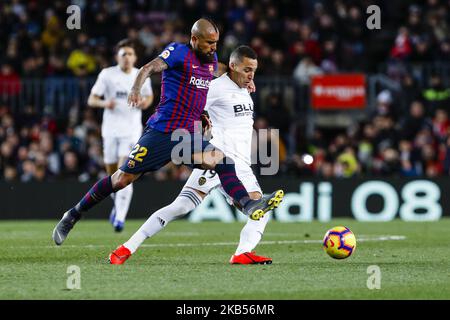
(241, 110)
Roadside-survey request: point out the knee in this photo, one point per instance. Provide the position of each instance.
(121, 179)
(212, 158)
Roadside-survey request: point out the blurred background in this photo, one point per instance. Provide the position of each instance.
(362, 102)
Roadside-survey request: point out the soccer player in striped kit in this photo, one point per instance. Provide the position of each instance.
(187, 70)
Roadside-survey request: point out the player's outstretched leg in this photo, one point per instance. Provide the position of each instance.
(102, 189)
(186, 201)
(255, 209)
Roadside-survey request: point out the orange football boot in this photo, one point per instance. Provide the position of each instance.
(120, 255)
(249, 258)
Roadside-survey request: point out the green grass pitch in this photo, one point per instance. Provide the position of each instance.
(190, 261)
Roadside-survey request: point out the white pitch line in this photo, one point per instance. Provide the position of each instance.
(213, 244)
(208, 244)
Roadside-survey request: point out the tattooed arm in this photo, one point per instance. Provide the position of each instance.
(154, 66)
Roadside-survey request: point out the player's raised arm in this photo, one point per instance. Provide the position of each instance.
(154, 66)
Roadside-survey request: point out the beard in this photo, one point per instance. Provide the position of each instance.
(204, 58)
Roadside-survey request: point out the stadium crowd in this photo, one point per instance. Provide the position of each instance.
(407, 136)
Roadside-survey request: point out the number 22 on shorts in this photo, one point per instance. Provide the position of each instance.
(138, 153)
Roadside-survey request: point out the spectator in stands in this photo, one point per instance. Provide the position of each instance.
(416, 120)
(436, 95)
(9, 174)
(430, 163)
(384, 105)
(28, 170)
(389, 162)
(387, 134)
(71, 169)
(410, 92)
(443, 53)
(441, 125)
(305, 70)
(52, 158)
(80, 60)
(9, 80)
(53, 32)
(347, 163)
(408, 159)
(277, 115)
(402, 48)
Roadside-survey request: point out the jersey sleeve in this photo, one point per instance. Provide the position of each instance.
(213, 95)
(173, 54)
(146, 89)
(99, 87)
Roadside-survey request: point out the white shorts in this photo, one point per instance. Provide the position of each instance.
(115, 148)
(207, 180)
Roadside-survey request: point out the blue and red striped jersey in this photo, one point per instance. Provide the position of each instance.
(184, 88)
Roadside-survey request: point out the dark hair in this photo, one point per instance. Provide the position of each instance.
(242, 52)
(124, 43)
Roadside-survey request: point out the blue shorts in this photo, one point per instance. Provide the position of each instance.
(155, 149)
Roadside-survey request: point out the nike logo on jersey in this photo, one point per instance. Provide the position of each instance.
(194, 67)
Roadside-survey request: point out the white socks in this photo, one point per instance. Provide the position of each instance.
(122, 200)
(251, 234)
(186, 201)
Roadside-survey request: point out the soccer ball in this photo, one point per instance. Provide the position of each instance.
(339, 242)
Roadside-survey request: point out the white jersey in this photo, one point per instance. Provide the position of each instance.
(123, 120)
(231, 111)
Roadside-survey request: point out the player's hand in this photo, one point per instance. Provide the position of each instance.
(206, 123)
(142, 104)
(110, 104)
(134, 99)
(251, 87)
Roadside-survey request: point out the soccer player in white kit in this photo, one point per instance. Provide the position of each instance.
(230, 108)
(121, 125)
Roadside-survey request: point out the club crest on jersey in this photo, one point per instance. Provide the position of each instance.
(131, 164)
(165, 54)
(201, 181)
(211, 69)
(199, 83)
